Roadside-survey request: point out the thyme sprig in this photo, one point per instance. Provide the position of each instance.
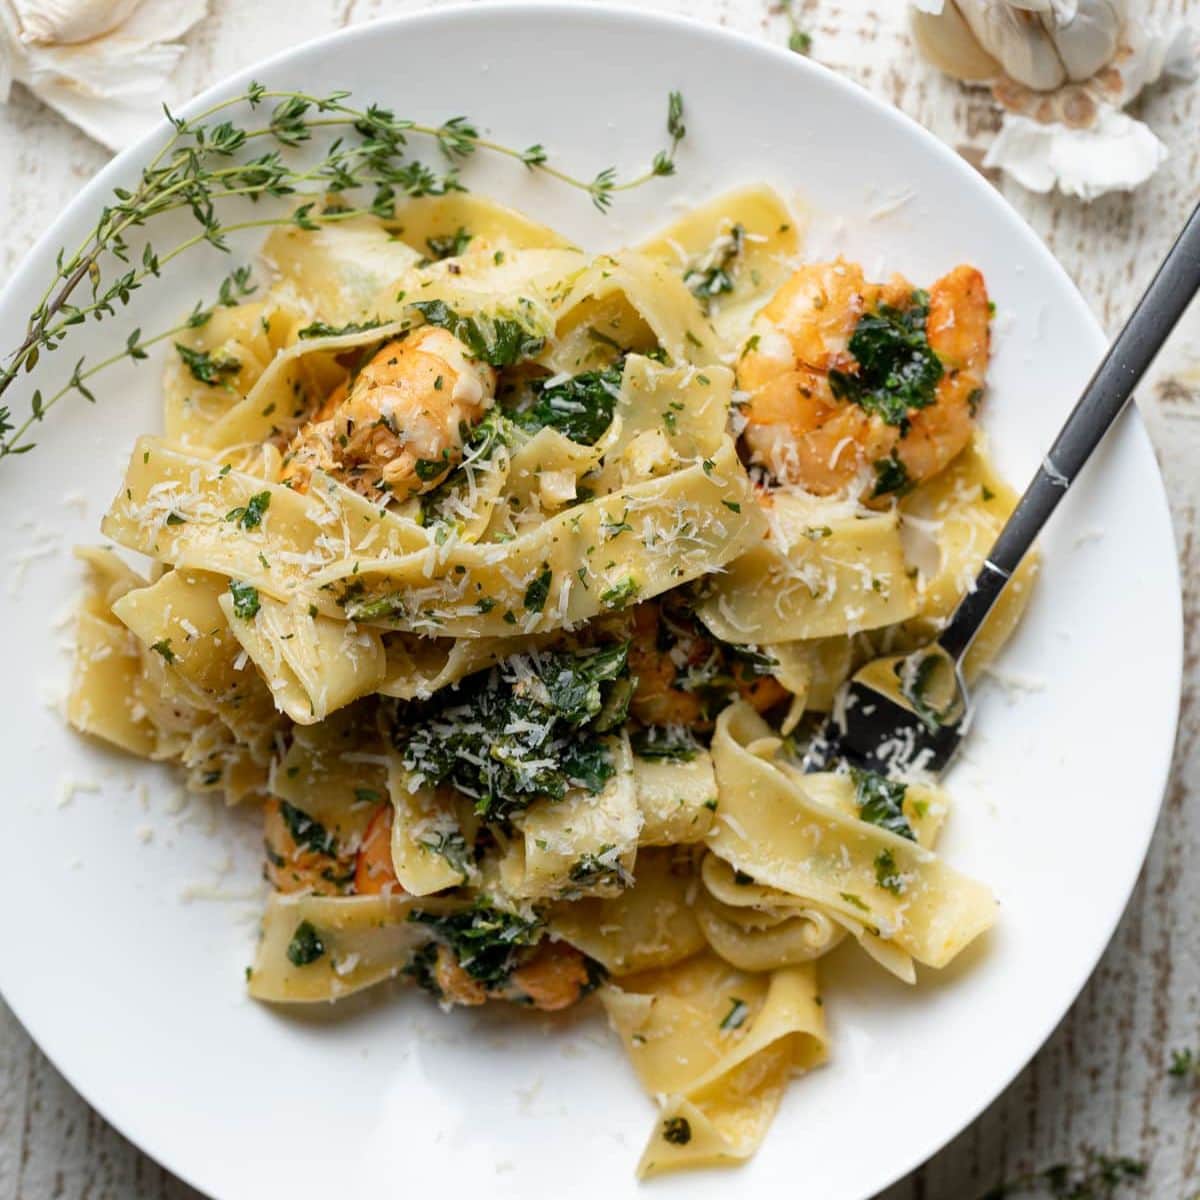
(210, 160)
(1098, 1177)
(233, 288)
(799, 39)
(1185, 1065)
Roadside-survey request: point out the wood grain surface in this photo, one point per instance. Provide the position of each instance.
(1101, 1081)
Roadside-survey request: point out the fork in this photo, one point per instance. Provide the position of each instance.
(909, 714)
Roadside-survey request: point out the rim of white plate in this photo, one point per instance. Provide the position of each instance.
(664, 23)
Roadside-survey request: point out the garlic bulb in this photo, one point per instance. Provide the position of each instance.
(1062, 71)
(103, 64)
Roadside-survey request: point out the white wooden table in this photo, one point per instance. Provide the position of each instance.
(1101, 1081)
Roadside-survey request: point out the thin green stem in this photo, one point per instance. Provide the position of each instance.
(14, 443)
(182, 174)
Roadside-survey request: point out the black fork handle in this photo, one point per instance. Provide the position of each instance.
(1103, 400)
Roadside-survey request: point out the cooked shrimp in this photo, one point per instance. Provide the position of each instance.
(804, 422)
(399, 430)
(453, 982)
(761, 692)
(657, 699)
(373, 869)
(683, 676)
(553, 979)
(295, 867)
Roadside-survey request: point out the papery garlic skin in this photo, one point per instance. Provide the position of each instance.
(1063, 70)
(62, 22)
(103, 64)
(1117, 154)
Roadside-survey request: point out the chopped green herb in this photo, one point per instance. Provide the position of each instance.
(531, 727)
(538, 590)
(163, 647)
(880, 802)
(485, 940)
(245, 599)
(620, 594)
(580, 408)
(600, 868)
(480, 446)
(320, 329)
(897, 369)
(205, 367)
(498, 340)
(306, 945)
(250, 514)
(886, 874)
(891, 477)
(431, 468)
(451, 846)
(677, 1131)
(735, 1018)
(1185, 1064)
(306, 832)
(712, 275)
(450, 246)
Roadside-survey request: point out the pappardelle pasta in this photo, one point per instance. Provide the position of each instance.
(509, 580)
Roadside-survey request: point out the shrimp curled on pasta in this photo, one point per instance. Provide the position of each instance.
(398, 429)
(849, 380)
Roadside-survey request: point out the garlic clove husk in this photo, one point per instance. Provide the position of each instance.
(63, 22)
(1064, 70)
(111, 84)
(163, 20)
(1116, 153)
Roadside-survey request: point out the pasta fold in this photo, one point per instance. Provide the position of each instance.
(717, 1045)
(821, 572)
(771, 828)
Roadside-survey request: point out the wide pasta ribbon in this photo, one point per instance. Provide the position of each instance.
(717, 1046)
(733, 253)
(824, 569)
(771, 828)
(320, 948)
(650, 924)
(594, 558)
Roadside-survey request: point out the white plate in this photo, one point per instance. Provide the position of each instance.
(137, 995)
